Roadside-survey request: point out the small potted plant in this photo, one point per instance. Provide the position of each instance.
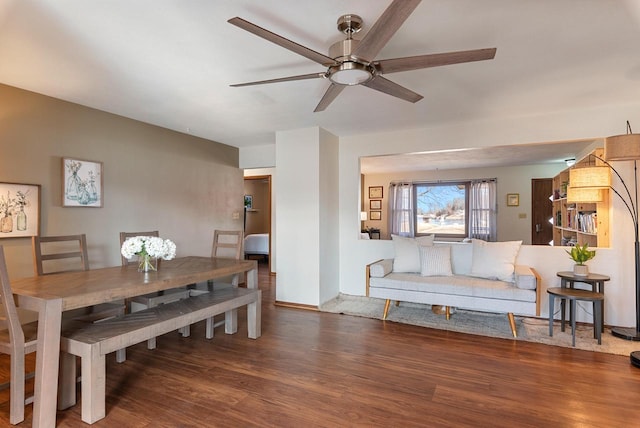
(580, 255)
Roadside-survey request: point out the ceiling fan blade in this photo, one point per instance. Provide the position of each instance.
(281, 79)
(332, 92)
(384, 28)
(281, 41)
(387, 66)
(381, 84)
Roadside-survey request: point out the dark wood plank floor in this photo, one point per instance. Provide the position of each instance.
(326, 370)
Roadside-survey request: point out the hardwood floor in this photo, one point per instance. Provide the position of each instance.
(312, 369)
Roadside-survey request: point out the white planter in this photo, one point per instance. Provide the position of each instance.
(580, 270)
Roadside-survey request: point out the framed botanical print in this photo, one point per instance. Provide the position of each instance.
(81, 183)
(19, 210)
(513, 199)
(375, 192)
(376, 215)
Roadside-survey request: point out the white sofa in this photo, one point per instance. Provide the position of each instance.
(488, 285)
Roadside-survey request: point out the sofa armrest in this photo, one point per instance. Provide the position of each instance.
(380, 268)
(525, 277)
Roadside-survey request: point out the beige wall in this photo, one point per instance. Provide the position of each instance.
(153, 178)
(517, 179)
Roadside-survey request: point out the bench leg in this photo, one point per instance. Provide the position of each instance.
(512, 323)
(93, 387)
(67, 381)
(386, 309)
(254, 317)
(209, 328)
(151, 343)
(231, 321)
(185, 331)
(121, 355)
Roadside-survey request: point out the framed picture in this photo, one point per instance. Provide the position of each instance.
(376, 215)
(19, 210)
(375, 192)
(375, 204)
(248, 202)
(82, 183)
(513, 199)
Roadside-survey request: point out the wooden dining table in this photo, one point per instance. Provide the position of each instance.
(51, 295)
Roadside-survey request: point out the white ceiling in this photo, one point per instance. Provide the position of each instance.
(170, 62)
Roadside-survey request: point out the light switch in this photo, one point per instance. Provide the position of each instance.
(522, 215)
(236, 215)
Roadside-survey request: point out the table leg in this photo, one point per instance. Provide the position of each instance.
(47, 358)
(573, 322)
(252, 278)
(563, 303)
(551, 302)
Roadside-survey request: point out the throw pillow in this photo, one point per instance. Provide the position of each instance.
(494, 260)
(407, 257)
(435, 261)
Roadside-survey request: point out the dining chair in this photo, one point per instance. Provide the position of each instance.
(139, 303)
(68, 253)
(16, 340)
(226, 244)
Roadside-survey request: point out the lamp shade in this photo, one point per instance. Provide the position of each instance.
(593, 177)
(622, 147)
(584, 194)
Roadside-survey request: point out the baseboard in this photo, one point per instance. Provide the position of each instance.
(296, 306)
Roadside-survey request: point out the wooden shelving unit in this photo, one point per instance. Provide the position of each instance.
(579, 223)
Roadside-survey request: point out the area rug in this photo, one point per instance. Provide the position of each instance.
(481, 323)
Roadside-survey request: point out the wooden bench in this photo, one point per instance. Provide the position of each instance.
(91, 342)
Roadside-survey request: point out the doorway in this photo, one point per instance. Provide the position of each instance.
(541, 211)
(257, 218)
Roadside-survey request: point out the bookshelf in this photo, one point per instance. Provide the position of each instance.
(579, 223)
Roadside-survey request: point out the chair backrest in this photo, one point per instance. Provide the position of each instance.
(49, 248)
(125, 235)
(16, 335)
(227, 244)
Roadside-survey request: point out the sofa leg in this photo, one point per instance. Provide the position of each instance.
(447, 312)
(397, 303)
(386, 309)
(512, 323)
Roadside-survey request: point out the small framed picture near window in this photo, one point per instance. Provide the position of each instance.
(81, 183)
(513, 199)
(19, 210)
(375, 192)
(248, 202)
(375, 204)
(376, 215)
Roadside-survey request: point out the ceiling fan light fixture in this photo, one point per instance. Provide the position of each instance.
(350, 73)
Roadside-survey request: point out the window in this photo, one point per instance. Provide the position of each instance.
(441, 209)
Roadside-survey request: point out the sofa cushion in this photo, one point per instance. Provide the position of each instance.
(407, 256)
(494, 260)
(435, 261)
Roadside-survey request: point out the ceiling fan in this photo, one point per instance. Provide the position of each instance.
(352, 62)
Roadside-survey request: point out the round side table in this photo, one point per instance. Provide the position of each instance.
(596, 280)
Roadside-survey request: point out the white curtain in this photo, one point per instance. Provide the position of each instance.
(483, 210)
(401, 209)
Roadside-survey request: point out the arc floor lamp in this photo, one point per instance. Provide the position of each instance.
(588, 183)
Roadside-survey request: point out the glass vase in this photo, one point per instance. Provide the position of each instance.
(146, 263)
(21, 219)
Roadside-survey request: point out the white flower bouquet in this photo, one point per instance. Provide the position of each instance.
(146, 247)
